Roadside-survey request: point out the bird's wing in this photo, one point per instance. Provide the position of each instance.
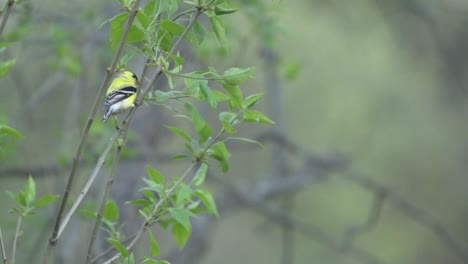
(120, 95)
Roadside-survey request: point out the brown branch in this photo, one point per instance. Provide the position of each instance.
(309, 230)
(415, 213)
(76, 158)
(372, 220)
(147, 224)
(2, 248)
(15, 240)
(107, 191)
(9, 6)
(267, 188)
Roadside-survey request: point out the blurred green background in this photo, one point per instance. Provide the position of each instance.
(380, 82)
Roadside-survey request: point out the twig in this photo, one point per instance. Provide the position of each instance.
(155, 209)
(2, 247)
(251, 200)
(418, 215)
(107, 191)
(15, 240)
(372, 220)
(91, 179)
(9, 6)
(76, 158)
(110, 249)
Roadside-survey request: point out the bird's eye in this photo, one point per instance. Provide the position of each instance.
(134, 76)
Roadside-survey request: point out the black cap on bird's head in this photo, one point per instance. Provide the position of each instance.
(128, 75)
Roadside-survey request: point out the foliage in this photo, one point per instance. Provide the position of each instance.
(154, 32)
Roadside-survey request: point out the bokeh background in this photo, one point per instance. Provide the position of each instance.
(367, 162)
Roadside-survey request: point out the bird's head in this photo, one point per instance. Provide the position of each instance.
(130, 76)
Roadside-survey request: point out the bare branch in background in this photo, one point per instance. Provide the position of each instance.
(313, 171)
(415, 213)
(384, 193)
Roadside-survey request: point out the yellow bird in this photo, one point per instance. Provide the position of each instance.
(121, 94)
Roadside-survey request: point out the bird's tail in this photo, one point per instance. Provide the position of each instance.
(106, 115)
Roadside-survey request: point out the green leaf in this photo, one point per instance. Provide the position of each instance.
(179, 157)
(13, 197)
(6, 44)
(29, 191)
(118, 24)
(172, 27)
(149, 261)
(111, 211)
(201, 126)
(6, 130)
(200, 175)
(150, 8)
(245, 140)
(219, 10)
(165, 40)
(236, 76)
(291, 70)
(235, 94)
(221, 154)
(227, 120)
(155, 250)
(140, 202)
(208, 94)
(117, 28)
(164, 96)
(256, 116)
(180, 132)
(198, 32)
(89, 213)
(181, 234)
(46, 200)
(6, 66)
(217, 25)
(155, 175)
(220, 97)
(181, 216)
(183, 194)
(207, 198)
(121, 248)
(252, 100)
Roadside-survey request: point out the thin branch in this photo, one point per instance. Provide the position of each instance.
(418, 215)
(105, 197)
(87, 186)
(2, 247)
(372, 220)
(257, 202)
(9, 6)
(15, 240)
(309, 230)
(111, 248)
(155, 209)
(76, 158)
(413, 212)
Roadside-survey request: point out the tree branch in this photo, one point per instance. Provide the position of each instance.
(415, 213)
(9, 6)
(2, 247)
(15, 240)
(76, 158)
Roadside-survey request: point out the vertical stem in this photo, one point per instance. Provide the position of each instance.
(55, 234)
(15, 240)
(279, 159)
(9, 6)
(2, 247)
(110, 180)
(155, 209)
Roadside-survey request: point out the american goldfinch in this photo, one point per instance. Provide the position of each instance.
(121, 94)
